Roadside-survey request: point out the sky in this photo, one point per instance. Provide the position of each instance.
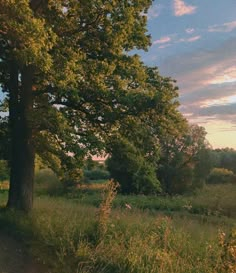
(194, 42)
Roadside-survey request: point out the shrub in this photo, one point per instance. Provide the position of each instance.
(46, 182)
(72, 178)
(96, 174)
(221, 176)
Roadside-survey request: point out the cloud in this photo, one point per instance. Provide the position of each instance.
(162, 40)
(199, 69)
(226, 76)
(193, 39)
(154, 11)
(208, 104)
(223, 115)
(164, 46)
(220, 110)
(189, 30)
(207, 81)
(226, 27)
(180, 8)
(190, 40)
(208, 96)
(172, 39)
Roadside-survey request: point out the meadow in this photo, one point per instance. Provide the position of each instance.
(87, 231)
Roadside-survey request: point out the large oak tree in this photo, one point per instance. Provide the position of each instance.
(68, 79)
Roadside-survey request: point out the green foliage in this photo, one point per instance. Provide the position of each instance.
(216, 200)
(96, 174)
(128, 166)
(4, 170)
(224, 158)
(46, 182)
(44, 176)
(221, 176)
(135, 146)
(33, 38)
(84, 82)
(211, 200)
(91, 164)
(39, 165)
(94, 171)
(184, 163)
(72, 178)
(81, 87)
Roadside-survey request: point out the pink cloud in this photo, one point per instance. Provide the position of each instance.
(202, 69)
(191, 39)
(164, 46)
(227, 75)
(226, 27)
(189, 30)
(162, 40)
(180, 8)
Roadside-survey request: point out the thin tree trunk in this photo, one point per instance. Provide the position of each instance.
(22, 154)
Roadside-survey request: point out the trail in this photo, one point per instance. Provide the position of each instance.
(14, 258)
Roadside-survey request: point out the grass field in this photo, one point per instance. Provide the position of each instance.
(139, 235)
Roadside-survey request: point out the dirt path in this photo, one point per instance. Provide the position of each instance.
(14, 259)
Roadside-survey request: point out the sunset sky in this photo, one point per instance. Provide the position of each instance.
(194, 41)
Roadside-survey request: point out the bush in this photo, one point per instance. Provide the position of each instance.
(46, 182)
(72, 178)
(221, 176)
(96, 174)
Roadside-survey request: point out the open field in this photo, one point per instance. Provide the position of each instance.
(141, 234)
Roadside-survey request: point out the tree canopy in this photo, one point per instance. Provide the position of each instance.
(73, 88)
(69, 80)
(136, 147)
(184, 163)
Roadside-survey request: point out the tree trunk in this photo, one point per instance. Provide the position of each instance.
(22, 147)
(13, 127)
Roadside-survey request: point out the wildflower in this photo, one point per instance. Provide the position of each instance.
(187, 206)
(128, 206)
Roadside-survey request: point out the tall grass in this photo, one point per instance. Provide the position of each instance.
(214, 200)
(64, 234)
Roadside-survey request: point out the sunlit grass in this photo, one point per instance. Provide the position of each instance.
(65, 234)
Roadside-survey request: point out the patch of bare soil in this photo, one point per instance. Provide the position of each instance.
(15, 259)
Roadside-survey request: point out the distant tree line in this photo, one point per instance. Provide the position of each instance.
(224, 158)
(184, 163)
